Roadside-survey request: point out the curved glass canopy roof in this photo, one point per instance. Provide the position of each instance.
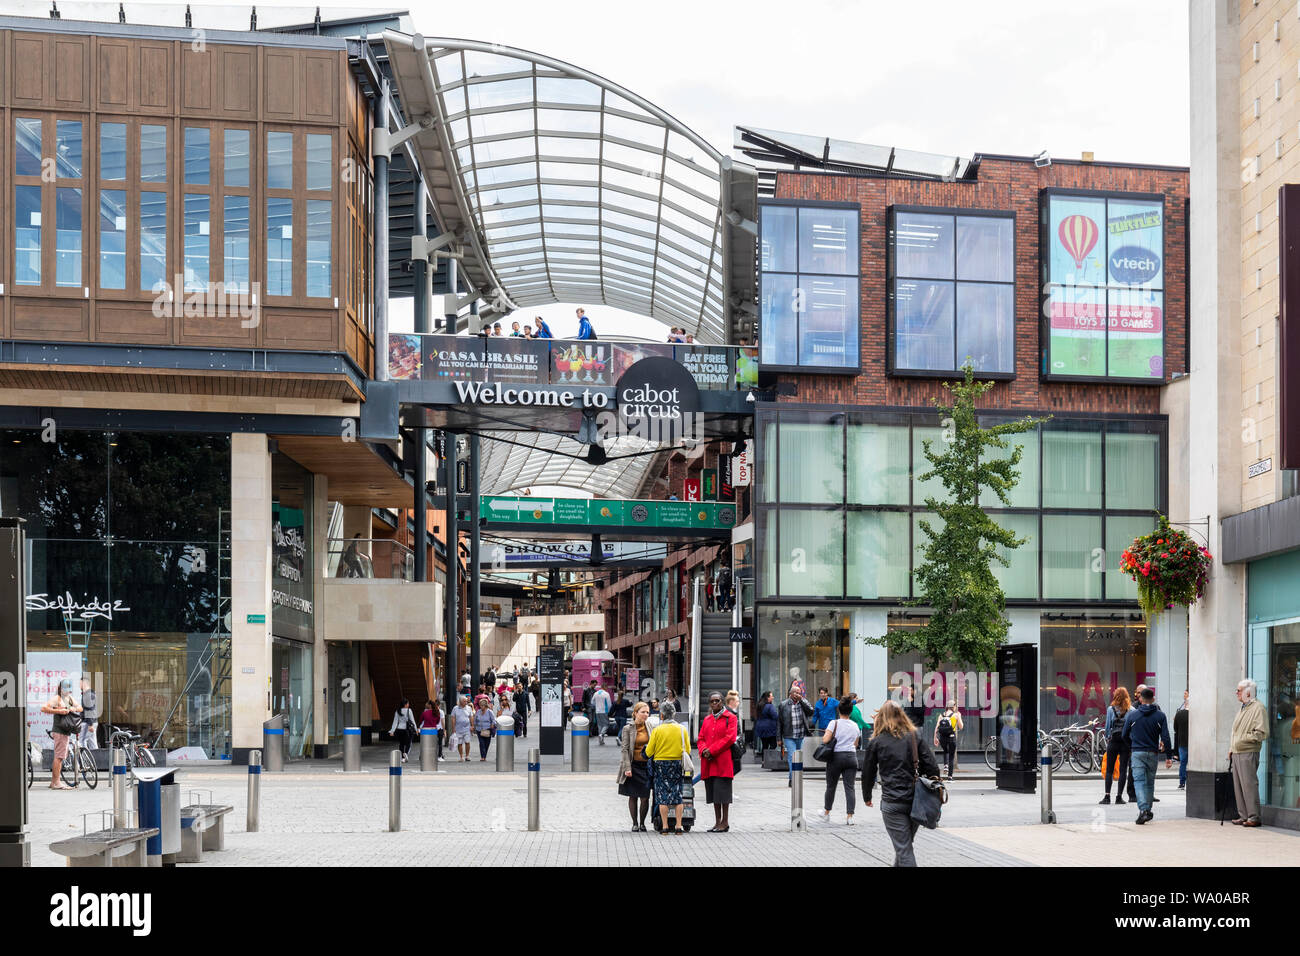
(513, 461)
(568, 188)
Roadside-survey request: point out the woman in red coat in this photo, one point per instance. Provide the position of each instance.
(717, 734)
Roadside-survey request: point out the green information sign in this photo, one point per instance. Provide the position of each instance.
(256, 619)
(609, 512)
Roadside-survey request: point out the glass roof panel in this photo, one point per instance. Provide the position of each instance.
(493, 216)
(494, 124)
(564, 121)
(552, 89)
(562, 146)
(503, 149)
(552, 211)
(637, 132)
(447, 67)
(478, 63)
(587, 172)
(499, 197)
(499, 93)
(491, 175)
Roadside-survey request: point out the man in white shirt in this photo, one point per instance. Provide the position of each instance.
(600, 706)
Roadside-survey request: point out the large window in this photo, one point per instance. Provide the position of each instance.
(49, 213)
(1104, 278)
(299, 214)
(841, 499)
(809, 273)
(952, 291)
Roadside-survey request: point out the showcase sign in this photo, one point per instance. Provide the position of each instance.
(513, 554)
(1104, 301)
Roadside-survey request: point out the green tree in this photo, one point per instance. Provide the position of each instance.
(955, 579)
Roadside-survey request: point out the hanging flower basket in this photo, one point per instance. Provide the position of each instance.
(1169, 568)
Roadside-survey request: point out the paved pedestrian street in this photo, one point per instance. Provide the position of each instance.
(314, 815)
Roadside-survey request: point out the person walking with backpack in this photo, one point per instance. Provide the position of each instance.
(404, 727)
(842, 736)
(722, 589)
(897, 755)
(1147, 730)
(585, 331)
(1116, 746)
(945, 735)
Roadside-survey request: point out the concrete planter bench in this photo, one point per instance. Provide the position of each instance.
(124, 846)
(203, 827)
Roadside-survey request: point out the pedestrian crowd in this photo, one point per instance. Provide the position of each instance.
(539, 329)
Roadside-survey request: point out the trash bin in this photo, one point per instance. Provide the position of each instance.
(158, 804)
(273, 743)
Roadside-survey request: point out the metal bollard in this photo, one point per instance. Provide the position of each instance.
(273, 744)
(351, 749)
(534, 789)
(797, 822)
(1048, 815)
(579, 744)
(395, 791)
(121, 808)
(254, 790)
(428, 749)
(505, 744)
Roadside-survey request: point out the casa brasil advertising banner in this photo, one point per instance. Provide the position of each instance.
(1105, 296)
(519, 361)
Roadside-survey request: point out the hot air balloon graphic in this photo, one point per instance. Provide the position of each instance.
(1078, 236)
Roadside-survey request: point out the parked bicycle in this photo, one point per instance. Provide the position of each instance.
(137, 751)
(1058, 752)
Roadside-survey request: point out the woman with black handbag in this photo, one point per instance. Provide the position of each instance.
(403, 727)
(738, 748)
(890, 755)
(842, 758)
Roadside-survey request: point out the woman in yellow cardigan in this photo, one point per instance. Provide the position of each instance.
(669, 743)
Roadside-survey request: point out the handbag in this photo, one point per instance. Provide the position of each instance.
(688, 762)
(738, 748)
(928, 795)
(825, 751)
(67, 724)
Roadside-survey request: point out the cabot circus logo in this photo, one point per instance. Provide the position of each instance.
(1134, 265)
(640, 513)
(656, 389)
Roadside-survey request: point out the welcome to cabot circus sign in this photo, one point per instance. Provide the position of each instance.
(655, 389)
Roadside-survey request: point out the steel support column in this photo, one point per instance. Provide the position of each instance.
(474, 570)
(421, 266)
(380, 232)
(453, 634)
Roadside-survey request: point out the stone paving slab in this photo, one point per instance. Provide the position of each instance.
(314, 815)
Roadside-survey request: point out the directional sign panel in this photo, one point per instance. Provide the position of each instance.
(609, 512)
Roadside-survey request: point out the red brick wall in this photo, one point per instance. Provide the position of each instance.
(1002, 185)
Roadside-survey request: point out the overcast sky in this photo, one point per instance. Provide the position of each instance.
(998, 76)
